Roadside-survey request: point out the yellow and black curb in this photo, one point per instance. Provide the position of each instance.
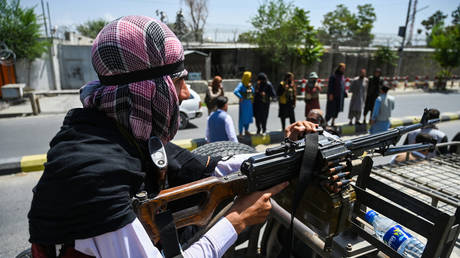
(35, 162)
(345, 129)
(22, 164)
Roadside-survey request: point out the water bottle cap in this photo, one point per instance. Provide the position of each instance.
(370, 215)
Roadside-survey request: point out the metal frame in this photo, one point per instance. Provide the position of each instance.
(439, 224)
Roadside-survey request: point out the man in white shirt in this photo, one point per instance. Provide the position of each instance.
(432, 130)
(415, 155)
(220, 124)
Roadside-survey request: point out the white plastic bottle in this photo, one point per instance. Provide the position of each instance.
(395, 236)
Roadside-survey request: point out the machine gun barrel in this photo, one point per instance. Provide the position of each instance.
(282, 163)
(382, 140)
(408, 148)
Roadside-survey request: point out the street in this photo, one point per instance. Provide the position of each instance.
(133, 63)
(16, 195)
(31, 135)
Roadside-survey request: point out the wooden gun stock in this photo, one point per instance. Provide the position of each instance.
(215, 189)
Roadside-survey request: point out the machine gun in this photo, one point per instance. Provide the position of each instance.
(264, 170)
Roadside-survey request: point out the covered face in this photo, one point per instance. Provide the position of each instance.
(262, 77)
(136, 59)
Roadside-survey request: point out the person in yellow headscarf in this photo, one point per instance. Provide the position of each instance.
(245, 92)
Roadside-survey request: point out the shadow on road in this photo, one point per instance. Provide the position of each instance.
(189, 126)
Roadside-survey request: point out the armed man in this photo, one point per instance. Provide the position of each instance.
(103, 154)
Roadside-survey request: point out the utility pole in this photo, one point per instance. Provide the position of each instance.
(50, 52)
(412, 21)
(402, 33)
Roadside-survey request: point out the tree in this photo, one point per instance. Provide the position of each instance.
(91, 28)
(365, 22)
(305, 42)
(385, 56)
(456, 16)
(246, 37)
(179, 27)
(436, 19)
(283, 32)
(20, 30)
(346, 28)
(446, 42)
(339, 24)
(199, 14)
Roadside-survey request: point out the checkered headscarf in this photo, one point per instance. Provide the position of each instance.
(135, 58)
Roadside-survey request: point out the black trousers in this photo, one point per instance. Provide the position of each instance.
(291, 120)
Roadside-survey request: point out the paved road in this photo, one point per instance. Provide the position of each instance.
(15, 198)
(16, 194)
(406, 105)
(31, 135)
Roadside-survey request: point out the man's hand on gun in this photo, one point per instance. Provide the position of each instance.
(298, 129)
(252, 209)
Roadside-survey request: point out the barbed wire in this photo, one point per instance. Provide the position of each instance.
(221, 35)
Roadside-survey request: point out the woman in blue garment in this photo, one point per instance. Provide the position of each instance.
(245, 92)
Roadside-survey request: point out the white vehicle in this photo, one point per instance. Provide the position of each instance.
(190, 108)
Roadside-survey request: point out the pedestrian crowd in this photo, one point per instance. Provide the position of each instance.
(368, 96)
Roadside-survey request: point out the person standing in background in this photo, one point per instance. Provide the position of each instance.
(287, 99)
(438, 135)
(263, 91)
(335, 94)
(372, 92)
(384, 104)
(245, 92)
(358, 89)
(220, 124)
(214, 91)
(312, 91)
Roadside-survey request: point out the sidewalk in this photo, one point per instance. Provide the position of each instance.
(57, 104)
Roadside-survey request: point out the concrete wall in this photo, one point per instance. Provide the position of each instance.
(73, 66)
(38, 75)
(200, 86)
(232, 62)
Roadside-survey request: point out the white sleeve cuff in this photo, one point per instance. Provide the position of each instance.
(231, 165)
(222, 235)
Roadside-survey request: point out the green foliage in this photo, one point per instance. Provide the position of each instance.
(456, 16)
(434, 20)
(284, 33)
(20, 30)
(366, 18)
(384, 55)
(437, 18)
(91, 28)
(246, 37)
(179, 27)
(304, 38)
(346, 28)
(446, 42)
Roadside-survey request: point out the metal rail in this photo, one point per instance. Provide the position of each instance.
(436, 178)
